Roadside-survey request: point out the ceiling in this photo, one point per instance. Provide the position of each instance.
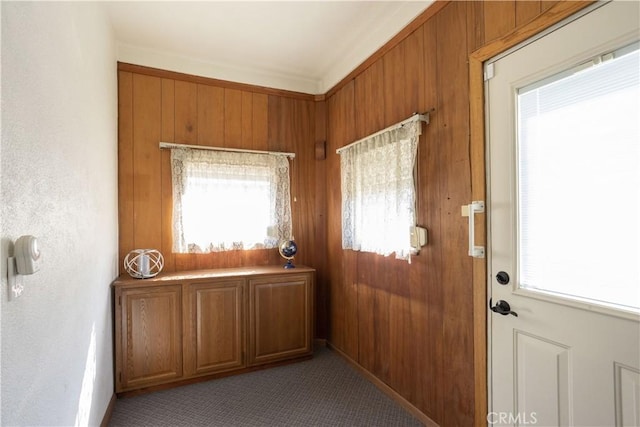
(303, 46)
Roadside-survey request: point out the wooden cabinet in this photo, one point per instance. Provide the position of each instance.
(179, 326)
(279, 318)
(149, 336)
(215, 326)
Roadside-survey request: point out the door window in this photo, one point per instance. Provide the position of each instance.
(579, 181)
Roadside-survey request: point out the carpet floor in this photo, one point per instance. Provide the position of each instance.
(323, 391)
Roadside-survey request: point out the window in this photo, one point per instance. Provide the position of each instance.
(579, 180)
(227, 201)
(378, 192)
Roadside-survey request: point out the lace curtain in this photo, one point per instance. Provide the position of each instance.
(378, 192)
(227, 201)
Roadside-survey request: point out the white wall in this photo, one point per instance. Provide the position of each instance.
(59, 183)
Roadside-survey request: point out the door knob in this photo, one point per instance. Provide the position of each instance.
(503, 307)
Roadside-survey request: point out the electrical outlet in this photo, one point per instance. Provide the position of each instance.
(418, 237)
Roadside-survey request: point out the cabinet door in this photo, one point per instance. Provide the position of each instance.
(280, 309)
(216, 332)
(151, 336)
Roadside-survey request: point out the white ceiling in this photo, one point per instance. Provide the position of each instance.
(303, 46)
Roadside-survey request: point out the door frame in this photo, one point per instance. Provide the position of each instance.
(481, 281)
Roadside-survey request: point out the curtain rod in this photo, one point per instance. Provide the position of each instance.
(164, 145)
(416, 117)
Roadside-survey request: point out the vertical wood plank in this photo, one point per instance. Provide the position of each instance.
(247, 121)
(232, 118)
(210, 115)
(499, 18)
(285, 132)
(291, 129)
(425, 276)
(402, 358)
(393, 86)
(375, 323)
(414, 81)
(412, 328)
(456, 277)
(360, 98)
(368, 313)
(372, 303)
(475, 25)
(374, 99)
(304, 165)
(342, 278)
(261, 119)
(125, 165)
(349, 286)
(274, 137)
(186, 117)
(186, 128)
(168, 125)
(383, 284)
(320, 212)
(147, 117)
(296, 171)
(402, 344)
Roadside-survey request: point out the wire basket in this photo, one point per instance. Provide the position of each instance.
(143, 263)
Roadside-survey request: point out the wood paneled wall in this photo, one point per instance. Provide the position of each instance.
(401, 321)
(412, 325)
(155, 105)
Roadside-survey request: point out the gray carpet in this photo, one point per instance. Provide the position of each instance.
(323, 391)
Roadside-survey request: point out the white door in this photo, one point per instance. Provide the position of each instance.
(563, 120)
